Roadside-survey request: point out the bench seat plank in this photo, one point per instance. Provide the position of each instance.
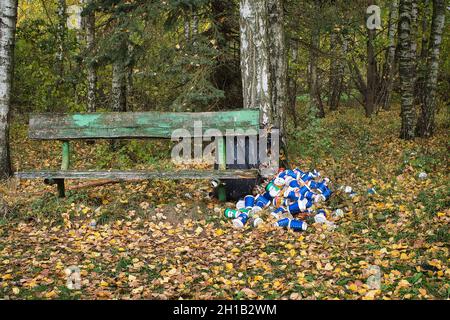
(140, 175)
(135, 125)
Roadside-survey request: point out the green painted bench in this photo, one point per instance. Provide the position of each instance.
(138, 125)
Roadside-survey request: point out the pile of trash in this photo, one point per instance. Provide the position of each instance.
(292, 196)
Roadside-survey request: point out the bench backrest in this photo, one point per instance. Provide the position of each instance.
(111, 125)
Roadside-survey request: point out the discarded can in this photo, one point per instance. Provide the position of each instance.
(262, 201)
(319, 185)
(297, 207)
(93, 224)
(371, 191)
(305, 193)
(321, 216)
(257, 221)
(288, 176)
(325, 191)
(273, 189)
(277, 212)
(423, 175)
(249, 202)
(284, 223)
(241, 220)
(231, 213)
(293, 195)
(338, 213)
(297, 225)
(240, 204)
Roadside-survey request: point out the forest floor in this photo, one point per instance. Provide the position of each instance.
(169, 240)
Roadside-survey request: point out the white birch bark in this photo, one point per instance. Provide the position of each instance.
(426, 123)
(255, 63)
(8, 19)
(91, 69)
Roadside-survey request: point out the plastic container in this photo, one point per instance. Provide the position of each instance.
(249, 202)
(241, 220)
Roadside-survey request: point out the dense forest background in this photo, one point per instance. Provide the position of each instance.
(184, 55)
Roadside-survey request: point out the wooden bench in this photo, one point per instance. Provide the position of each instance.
(138, 125)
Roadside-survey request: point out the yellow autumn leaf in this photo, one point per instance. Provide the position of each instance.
(353, 287)
(7, 276)
(229, 266)
(235, 250)
(104, 284)
(219, 232)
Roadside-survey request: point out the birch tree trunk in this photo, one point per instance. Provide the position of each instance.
(119, 76)
(426, 125)
(91, 68)
(8, 19)
(406, 70)
(255, 64)
(414, 14)
(390, 55)
(187, 28)
(278, 63)
(61, 34)
(420, 84)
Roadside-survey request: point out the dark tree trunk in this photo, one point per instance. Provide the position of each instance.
(292, 82)
(426, 123)
(406, 68)
(371, 75)
(316, 105)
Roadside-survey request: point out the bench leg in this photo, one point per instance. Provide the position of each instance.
(60, 186)
(221, 193)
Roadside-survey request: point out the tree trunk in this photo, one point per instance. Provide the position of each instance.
(91, 66)
(420, 84)
(406, 70)
(255, 64)
(414, 14)
(292, 82)
(187, 28)
(371, 74)
(425, 125)
(119, 75)
(61, 34)
(8, 19)
(425, 13)
(390, 54)
(337, 69)
(316, 106)
(278, 63)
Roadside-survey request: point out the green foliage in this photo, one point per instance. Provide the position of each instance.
(313, 140)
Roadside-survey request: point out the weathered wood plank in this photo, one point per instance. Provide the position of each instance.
(110, 125)
(140, 175)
